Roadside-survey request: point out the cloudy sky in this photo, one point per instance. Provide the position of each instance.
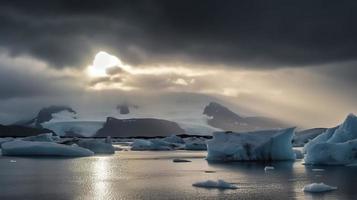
(292, 60)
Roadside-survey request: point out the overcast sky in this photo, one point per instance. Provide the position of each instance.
(292, 60)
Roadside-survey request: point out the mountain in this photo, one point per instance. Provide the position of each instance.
(146, 127)
(20, 131)
(225, 119)
(303, 137)
(45, 115)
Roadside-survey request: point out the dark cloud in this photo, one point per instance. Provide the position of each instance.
(256, 33)
(26, 78)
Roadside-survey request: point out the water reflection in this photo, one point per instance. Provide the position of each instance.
(153, 175)
(101, 178)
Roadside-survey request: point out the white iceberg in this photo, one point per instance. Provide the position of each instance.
(220, 184)
(336, 146)
(265, 145)
(30, 148)
(100, 146)
(153, 144)
(318, 187)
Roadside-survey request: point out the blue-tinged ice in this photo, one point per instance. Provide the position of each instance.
(336, 146)
(267, 145)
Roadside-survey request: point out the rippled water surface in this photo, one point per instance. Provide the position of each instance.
(153, 175)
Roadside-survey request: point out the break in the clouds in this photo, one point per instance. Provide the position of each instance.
(235, 33)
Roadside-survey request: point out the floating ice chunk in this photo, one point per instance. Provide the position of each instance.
(174, 139)
(97, 145)
(220, 184)
(12, 161)
(259, 146)
(180, 160)
(153, 144)
(29, 148)
(194, 143)
(45, 137)
(7, 139)
(336, 146)
(266, 168)
(318, 187)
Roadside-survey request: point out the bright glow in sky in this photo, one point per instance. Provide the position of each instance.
(102, 61)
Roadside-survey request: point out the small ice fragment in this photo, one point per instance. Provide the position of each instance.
(266, 168)
(12, 161)
(317, 170)
(318, 187)
(180, 160)
(220, 184)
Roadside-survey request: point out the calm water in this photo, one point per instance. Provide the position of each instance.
(153, 175)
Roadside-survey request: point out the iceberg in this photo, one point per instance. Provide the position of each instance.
(336, 146)
(265, 145)
(99, 146)
(318, 187)
(153, 144)
(7, 139)
(45, 137)
(194, 143)
(35, 148)
(174, 139)
(220, 184)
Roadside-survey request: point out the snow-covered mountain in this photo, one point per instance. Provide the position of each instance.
(223, 118)
(191, 112)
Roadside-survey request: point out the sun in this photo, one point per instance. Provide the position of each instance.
(102, 61)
